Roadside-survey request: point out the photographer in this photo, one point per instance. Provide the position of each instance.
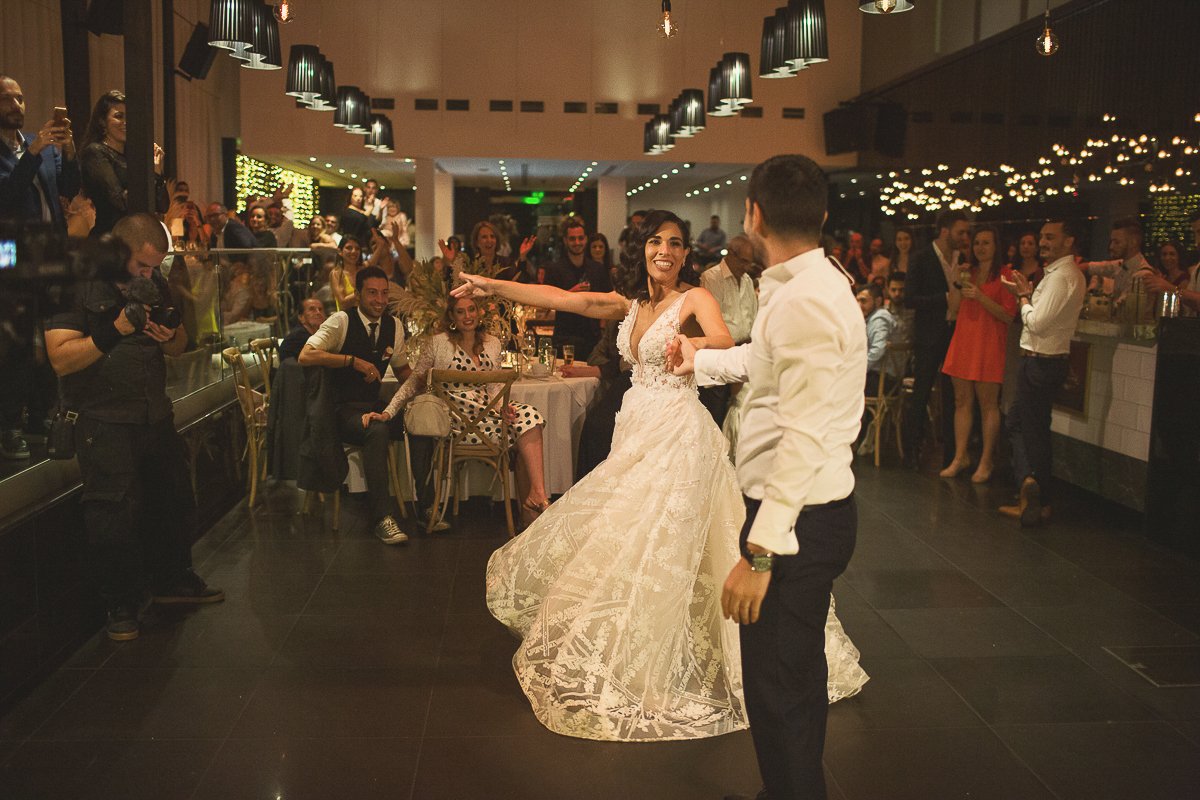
(139, 510)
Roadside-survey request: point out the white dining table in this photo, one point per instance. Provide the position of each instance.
(563, 403)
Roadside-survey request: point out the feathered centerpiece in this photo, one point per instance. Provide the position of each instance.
(430, 283)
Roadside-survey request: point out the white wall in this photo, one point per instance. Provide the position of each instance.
(1120, 399)
(551, 51)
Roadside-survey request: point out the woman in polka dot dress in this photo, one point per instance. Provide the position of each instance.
(462, 346)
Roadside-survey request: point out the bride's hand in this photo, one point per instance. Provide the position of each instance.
(472, 286)
(681, 355)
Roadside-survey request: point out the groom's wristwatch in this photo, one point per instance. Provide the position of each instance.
(759, 562)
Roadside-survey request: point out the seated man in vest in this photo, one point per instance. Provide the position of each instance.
(357, 346)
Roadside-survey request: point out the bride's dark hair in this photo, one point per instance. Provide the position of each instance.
(632, 275)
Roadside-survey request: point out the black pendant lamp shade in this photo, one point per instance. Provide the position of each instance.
(264, 51)
(231, 25)
(352, 111)
(734, 75)
(886, 6)
(769, 60)
(813, 32)
(327, 99)
(716, 106)
(304, 72)
(674, 114)
(648, 138)
(380, 138)
(662, 133)
(691, 112)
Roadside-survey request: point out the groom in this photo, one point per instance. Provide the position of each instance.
(803, 368)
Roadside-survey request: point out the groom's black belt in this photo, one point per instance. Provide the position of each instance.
(830, 506)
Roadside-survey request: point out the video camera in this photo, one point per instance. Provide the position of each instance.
(142, 293)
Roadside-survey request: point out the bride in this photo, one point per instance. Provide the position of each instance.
(615, 590)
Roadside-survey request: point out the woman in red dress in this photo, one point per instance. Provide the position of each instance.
(975, 360)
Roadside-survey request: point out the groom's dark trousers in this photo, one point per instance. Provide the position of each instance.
(783, 654)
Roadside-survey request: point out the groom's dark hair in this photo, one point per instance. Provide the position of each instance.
(792, 193)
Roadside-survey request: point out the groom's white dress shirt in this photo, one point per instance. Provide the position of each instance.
(804, 370)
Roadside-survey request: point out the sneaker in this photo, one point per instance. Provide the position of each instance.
(389, 532)
(190, 588)
(122, 625)
(13, 445)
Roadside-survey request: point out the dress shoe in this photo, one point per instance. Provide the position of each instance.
(388, 531)
(189, 588)
(122, 625)
(1030, 503)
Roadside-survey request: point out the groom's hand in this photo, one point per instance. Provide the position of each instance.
(681, 356)
(742, 596)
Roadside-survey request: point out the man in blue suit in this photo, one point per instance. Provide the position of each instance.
(35, 170)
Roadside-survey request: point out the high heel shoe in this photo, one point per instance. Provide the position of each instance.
(954, 469)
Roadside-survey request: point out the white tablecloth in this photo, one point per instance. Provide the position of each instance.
(563, 402)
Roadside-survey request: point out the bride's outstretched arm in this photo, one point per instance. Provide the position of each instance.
(598, 305)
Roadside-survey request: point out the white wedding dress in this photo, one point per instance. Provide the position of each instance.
(615, 591)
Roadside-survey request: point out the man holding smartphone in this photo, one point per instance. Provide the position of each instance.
(35, 170)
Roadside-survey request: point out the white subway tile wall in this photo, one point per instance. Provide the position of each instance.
(1119, 402)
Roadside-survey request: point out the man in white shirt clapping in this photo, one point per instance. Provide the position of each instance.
(803, 370)
(1049, 314)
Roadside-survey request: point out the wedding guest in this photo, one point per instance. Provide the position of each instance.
(903, 250)
(332, 224)
(462, 345)
(1189, 293)
(881, 261)
(575, 272)
(104, 170)
(1029, 264)
(631, 226)
(710, 242)
(312, 314)
(928, 291)
(976, 356)
(734, 291)
(278, 223)
(374, 206)
(398, 221)
(354, 220)
(1170, 264)
(599, 251)
(357, 346)
(80, 215)
(227, 231)
(256, 221)
(880, 325)
(342, 278)
(894, 302)
(239, 295)
(35, 170)
(856, 263)
(1050, 313)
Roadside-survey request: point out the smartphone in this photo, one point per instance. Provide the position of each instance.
(60, 115)
(8, 253)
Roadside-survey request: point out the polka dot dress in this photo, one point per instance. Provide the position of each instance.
(472, 399)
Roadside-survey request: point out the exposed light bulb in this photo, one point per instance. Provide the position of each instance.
(1047, 41)
(283, 12)
(885, 6)
(667, 28)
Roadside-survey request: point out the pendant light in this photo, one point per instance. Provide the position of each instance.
(812, 33)
(284, 12)
(770, 47)
(648, 138)
(360, 117)
(691, 111)
(304, 72)
(326, 100)
(717, 107)
(1047, 41)
(344, 106)
(886, 6)
(734, 75)
(231, 25)
(264, 52)
(379, 139)
(660, 134)
(666, 27)
(673, 114)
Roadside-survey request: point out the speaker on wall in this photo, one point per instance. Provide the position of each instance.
(858, 127)
(198, 56)
(105, 16)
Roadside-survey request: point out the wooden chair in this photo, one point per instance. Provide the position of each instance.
(266, 351)
(451, 453)
(887, 406)
(253, 405)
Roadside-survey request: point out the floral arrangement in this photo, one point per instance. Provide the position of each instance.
(430, 286)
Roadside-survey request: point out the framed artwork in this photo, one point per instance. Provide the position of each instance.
(1072, 396)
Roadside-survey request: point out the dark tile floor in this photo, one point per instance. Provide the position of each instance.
(341, 668)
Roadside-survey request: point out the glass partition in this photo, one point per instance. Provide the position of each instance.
(226, 298)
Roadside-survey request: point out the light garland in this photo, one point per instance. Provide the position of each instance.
(1170, 218)
(260, 178)
(583, 176)
(1158, 163)
(651, 183)
(717, 186)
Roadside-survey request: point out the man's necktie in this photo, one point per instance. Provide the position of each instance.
(374, 326)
